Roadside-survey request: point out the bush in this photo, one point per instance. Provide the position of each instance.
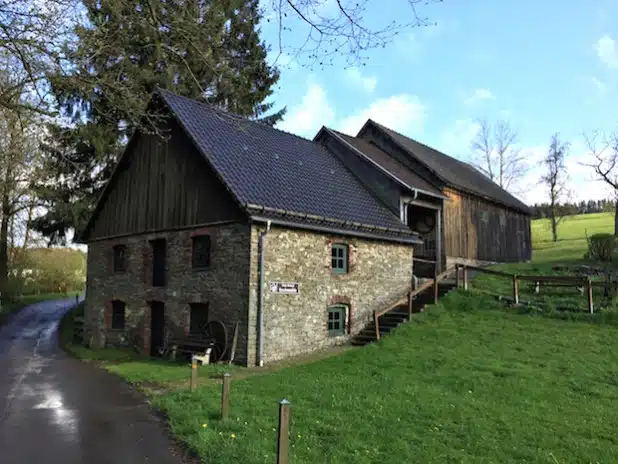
(601, 247)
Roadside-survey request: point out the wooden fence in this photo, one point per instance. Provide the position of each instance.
(548, 281)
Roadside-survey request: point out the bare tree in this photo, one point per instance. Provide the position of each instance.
(604, 150)
(336, 28)
(32, 36)
(555, 179)
(497, 156)
(20, 160)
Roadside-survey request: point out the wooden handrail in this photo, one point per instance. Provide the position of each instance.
(487, 271)
(422, 260)
(392, 306)
(547, 278)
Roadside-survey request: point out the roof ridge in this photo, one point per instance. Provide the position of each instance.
(224, 112)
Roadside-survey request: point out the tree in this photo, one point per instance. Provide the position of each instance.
(332, 29)
(20, 159)
(200, 49)
(604, 151)
(496, 155)
(555, 180)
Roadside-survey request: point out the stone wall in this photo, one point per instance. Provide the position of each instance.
(224, 285)
(379, 273)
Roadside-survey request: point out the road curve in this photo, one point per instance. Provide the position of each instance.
(55, 409)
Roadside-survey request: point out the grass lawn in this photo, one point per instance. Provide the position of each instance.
(468, 381)
(18, 303)
(572, 231)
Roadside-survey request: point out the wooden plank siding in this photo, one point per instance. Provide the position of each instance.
(161, 184)
(479, 229)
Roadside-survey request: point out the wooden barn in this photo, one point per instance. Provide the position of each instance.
(460, 213)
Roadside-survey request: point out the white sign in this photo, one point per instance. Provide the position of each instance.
(284, 287)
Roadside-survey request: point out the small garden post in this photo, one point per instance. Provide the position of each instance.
(283, 434)
(193, 374)
(225, 395)
(456, 275)
(435, 286)
(590, 303)
(515, 289)
(465, 277)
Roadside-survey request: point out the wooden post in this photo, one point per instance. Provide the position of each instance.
(193, 374)
(590, 303)
(435, 287)
(377, 324)
(283, 434)
(225, 396)
(410, 305)
(457, 275)
(465, 277)
(515, 289)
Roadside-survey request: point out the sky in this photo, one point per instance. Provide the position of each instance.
(545, 67)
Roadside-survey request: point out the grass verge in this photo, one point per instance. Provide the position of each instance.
(467, 381)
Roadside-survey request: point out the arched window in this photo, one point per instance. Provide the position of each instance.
(337, 320)
(118, 314)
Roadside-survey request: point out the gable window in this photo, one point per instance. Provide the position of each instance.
(339, 258)
(118, 314)
(198, 318)
(336, 320)
(120, 258)
(200, 257)
(484, 217)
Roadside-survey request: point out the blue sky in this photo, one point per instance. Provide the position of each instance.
(546, 67)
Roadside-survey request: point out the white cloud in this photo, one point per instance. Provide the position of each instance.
(403, 113)
(478, 96)
(606, 51)
(600, 86)
(368, 83)
(313, 112)
(456, 140)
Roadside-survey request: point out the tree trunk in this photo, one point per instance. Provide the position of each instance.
(554, 225)
(4, 255)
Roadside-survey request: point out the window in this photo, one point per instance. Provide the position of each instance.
(118, 313)
(120, 258)
(336, 320)
(484, 216)
(200, 257)
(198, 318)
(159, 252)
(340, 258)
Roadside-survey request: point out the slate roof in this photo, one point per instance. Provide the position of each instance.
(454, 172)
(276, 174)
(390, 164)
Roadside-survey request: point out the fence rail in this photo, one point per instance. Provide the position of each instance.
(558, 281)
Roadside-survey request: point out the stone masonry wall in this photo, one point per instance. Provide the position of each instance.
(224, 285)
(379, 273)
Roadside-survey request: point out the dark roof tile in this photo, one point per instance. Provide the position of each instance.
(267, 167)
(455, 172)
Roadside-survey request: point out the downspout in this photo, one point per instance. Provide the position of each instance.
(260, 308)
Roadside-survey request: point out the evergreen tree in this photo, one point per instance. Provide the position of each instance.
(203, 49)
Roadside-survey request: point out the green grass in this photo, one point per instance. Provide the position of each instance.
(571, 244)
(468, 382)
(17, 303)
(147, 373)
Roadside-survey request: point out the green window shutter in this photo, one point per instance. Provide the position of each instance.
(336, 320)
(339, 258)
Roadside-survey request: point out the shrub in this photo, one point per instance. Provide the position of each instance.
(601, 247)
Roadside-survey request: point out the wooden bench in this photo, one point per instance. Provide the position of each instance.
(195, 346)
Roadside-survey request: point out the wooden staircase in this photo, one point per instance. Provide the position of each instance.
(393, 316)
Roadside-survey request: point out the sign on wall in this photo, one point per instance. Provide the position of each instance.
(284, 287)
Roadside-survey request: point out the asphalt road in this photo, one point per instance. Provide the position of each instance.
(55, 409)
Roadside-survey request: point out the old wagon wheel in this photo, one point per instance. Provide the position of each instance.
(426, 224)
(216, 331)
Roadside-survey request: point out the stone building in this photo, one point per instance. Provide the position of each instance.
(231, 220)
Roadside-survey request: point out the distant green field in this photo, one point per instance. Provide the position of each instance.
(572, 231)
